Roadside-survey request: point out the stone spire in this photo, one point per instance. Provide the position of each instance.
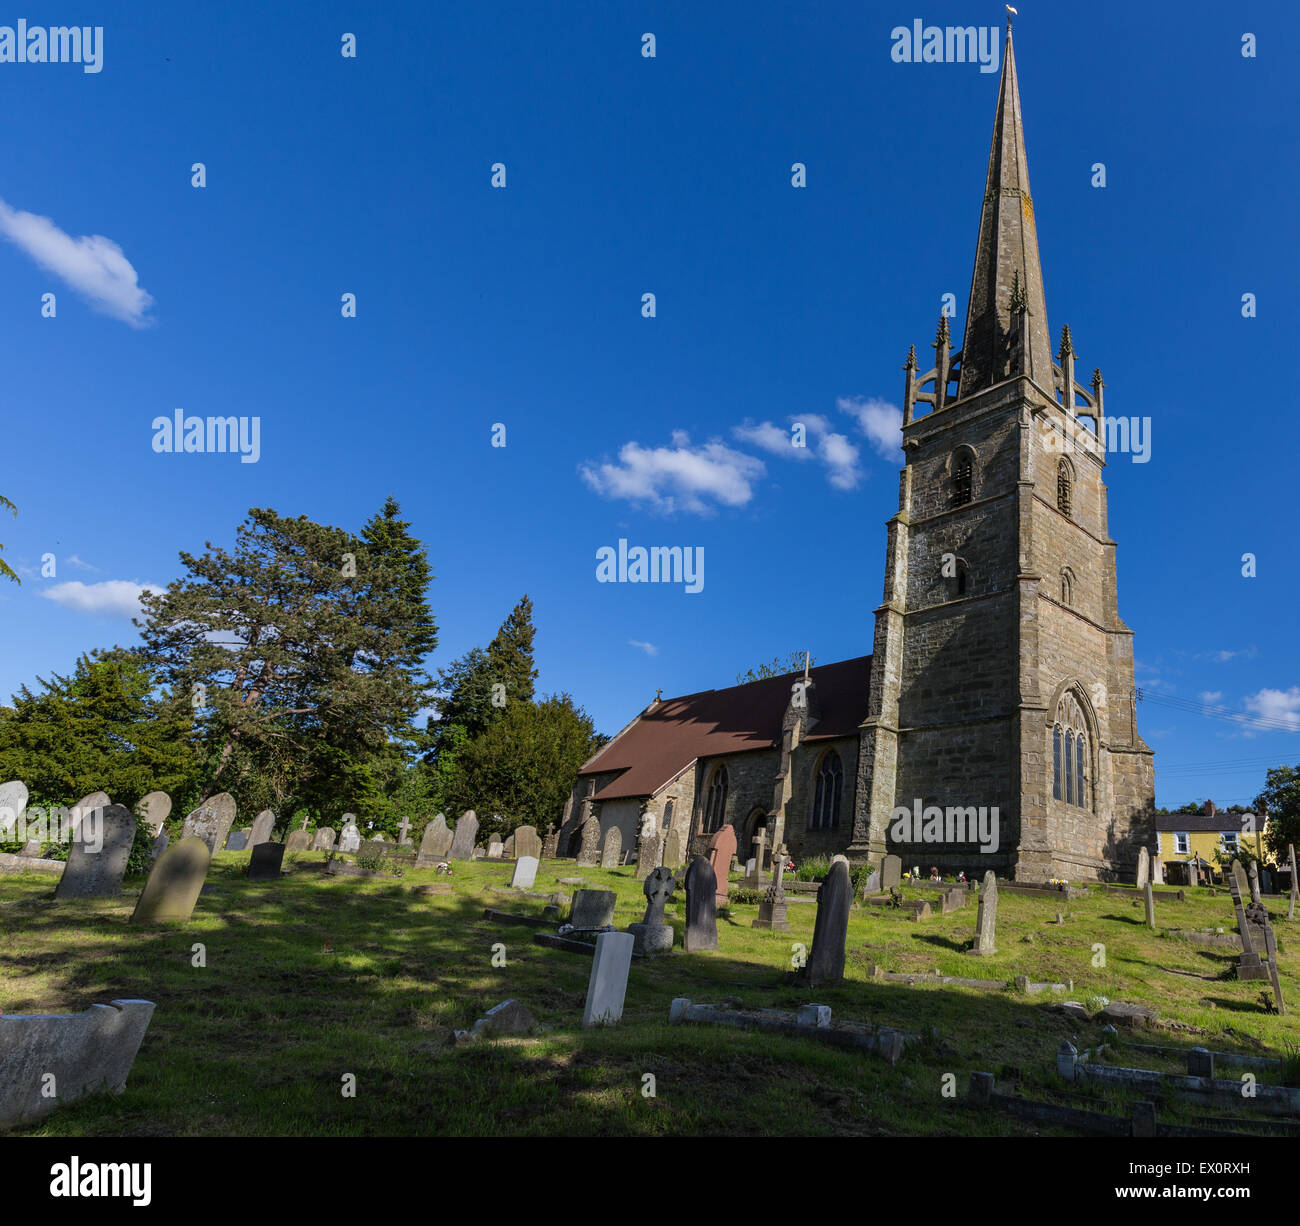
(1002, 338)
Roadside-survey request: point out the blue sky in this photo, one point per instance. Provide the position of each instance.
(523, 305)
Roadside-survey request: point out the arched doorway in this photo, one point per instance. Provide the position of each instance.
(748, 848)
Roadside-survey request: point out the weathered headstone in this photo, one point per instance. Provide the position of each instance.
(722, 846)
(1270, 947)
(759, 858)
(263, 828)
(404, 833)
(891, 873)
(349, 836)
(298, 840)
(673, 852)
(434, 844)
(873, 883)
(611, 853)
(1254, 882)
(1143, 868)
(153, 810)
(652, 935)
(1265, 881)
(831, 929)
(268, 858)
(592, 909)
(31, 850)
(588, 854)
(647, 855)
(771, 910)
(98, 855)
(525, 873)
(237, 840)
(324, 840)
(462, 839)
(1157, 871)
(174, 883)
(1150, 900)
(372, 849)
(987, 917)
(508, 848)
(211, 821)
(701, 907)
(528, 843)
(160, 844)
(87, 804)
(1250, 966)
(13, 801)
(607, 986)
(494, 847)
(551, 845)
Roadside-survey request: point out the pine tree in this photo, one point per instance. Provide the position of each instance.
(5, 569)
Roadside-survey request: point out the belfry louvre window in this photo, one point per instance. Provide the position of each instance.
(826, 797)
(961, 478)
(1064, 489)
(715, 800)
(1070, 754)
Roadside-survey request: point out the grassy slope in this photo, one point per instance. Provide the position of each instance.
(317, 977)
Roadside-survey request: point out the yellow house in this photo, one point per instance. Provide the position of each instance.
(1183, 837)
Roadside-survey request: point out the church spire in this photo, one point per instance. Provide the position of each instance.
(1006, 320)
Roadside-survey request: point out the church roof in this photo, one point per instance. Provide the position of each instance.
(671, 734)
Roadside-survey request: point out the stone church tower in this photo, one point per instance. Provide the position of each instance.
(1002, 674)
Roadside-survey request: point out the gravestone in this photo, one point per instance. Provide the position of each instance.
(31, 849)
(508, 848)
(592, 909)
(528, 842)
(404, 833)
(350, 836)
(160, 844)
(607, 986)
(267, 860)
(771, 911)
(324, 840)
(673, 853)
(891, 873)
(873, 883)
(298, 840)
(1254, 882)
(1250, 966)
(551, 846)
(1150, 900)
(1157, 871)
(462, 839)
(238, 841)
(831, 929)
(211, 821)
(588, 856)
(1270, 947)
(95, 800)
(987, 917)
(755, 878)
(525, 873)
(263, 828)
(373, 849)
(1265, 881)
(13, 801)
(701, 907)
(153, 810)
(494, 847)
(1144, 868)
(97, 863)
(434, 844)
(722, 846)
(611, 854)
(652, 935)
(174, 883)
(647, 855)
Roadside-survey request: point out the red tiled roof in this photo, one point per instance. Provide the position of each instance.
(661, 743)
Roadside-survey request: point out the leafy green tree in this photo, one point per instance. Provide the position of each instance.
(294, 650)
(523, 765)
(793, 663)
(103, 727)
(1281, 796)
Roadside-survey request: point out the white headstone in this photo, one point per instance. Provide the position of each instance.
(608, 983)
(525, 873)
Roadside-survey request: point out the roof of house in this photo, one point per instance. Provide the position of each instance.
(671, 734)
(1223, 823)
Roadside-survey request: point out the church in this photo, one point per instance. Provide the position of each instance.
(1000, 682)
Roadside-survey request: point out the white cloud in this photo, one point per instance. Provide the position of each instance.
(880, 421)
(1211, 696)
(1279, 707)
(834, 450)
(773, 438)
(111, 598)
(649, 648)
(680, 477)
(73, 560)
(92, 265)
(841, 458)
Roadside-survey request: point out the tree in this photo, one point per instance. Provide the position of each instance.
(294, 651)
(5, 569)
(1281, 796)
(523, 765)
(793, 663)
(103, 727)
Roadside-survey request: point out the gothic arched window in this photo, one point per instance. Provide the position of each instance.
(1064, 487)
(963, 472)
(1070, 753)
(1067, 586)
(826, 796)
(715, 800)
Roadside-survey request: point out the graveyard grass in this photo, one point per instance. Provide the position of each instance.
(317, 977)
